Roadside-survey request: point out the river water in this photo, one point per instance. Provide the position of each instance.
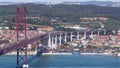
(66, 61)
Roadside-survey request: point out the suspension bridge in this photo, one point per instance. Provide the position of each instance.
(52, 39)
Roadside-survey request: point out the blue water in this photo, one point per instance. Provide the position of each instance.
(73, 61)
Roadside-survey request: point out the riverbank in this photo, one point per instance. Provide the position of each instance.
(63, 53)
(77, 53)
(56, 53)
(15, 53)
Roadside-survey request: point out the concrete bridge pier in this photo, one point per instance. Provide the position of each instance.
(71, 37)
(60, 39)
(85, 35)
(98, 33)
(65, 37)
(78, 36)
(52, 43)
(56, 40)
(91, 36)
(105, 32)
(49, 40)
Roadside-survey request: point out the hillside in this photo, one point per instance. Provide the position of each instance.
(66, 10)
(63, 13)
(99, 3)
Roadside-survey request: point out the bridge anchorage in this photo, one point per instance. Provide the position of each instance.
(21, 25)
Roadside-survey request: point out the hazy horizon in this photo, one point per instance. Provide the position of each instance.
(56, 1)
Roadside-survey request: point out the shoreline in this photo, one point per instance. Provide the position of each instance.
(15, 53)
(96, 54)
(62, 53)
(77, 53)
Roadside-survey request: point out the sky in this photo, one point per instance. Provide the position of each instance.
(53, 0)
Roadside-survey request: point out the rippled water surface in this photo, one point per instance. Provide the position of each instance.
(62, 61)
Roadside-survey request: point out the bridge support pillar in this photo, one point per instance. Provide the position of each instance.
(71, 37)
(78, 36)
(22, 53)
(52, 42)
(91, 36)
(65, 37)
(49, 41)
(105, 32)
(98, 33)
(85, 34)
(56, 40)
(60, 39)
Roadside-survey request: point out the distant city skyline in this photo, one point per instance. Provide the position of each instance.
(57, 1)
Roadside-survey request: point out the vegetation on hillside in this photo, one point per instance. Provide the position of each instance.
(70, 14)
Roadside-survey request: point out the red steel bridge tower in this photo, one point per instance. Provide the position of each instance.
(21, 27)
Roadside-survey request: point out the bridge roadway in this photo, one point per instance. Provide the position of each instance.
(16, 45)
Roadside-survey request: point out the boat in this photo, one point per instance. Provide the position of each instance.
(76, 51)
